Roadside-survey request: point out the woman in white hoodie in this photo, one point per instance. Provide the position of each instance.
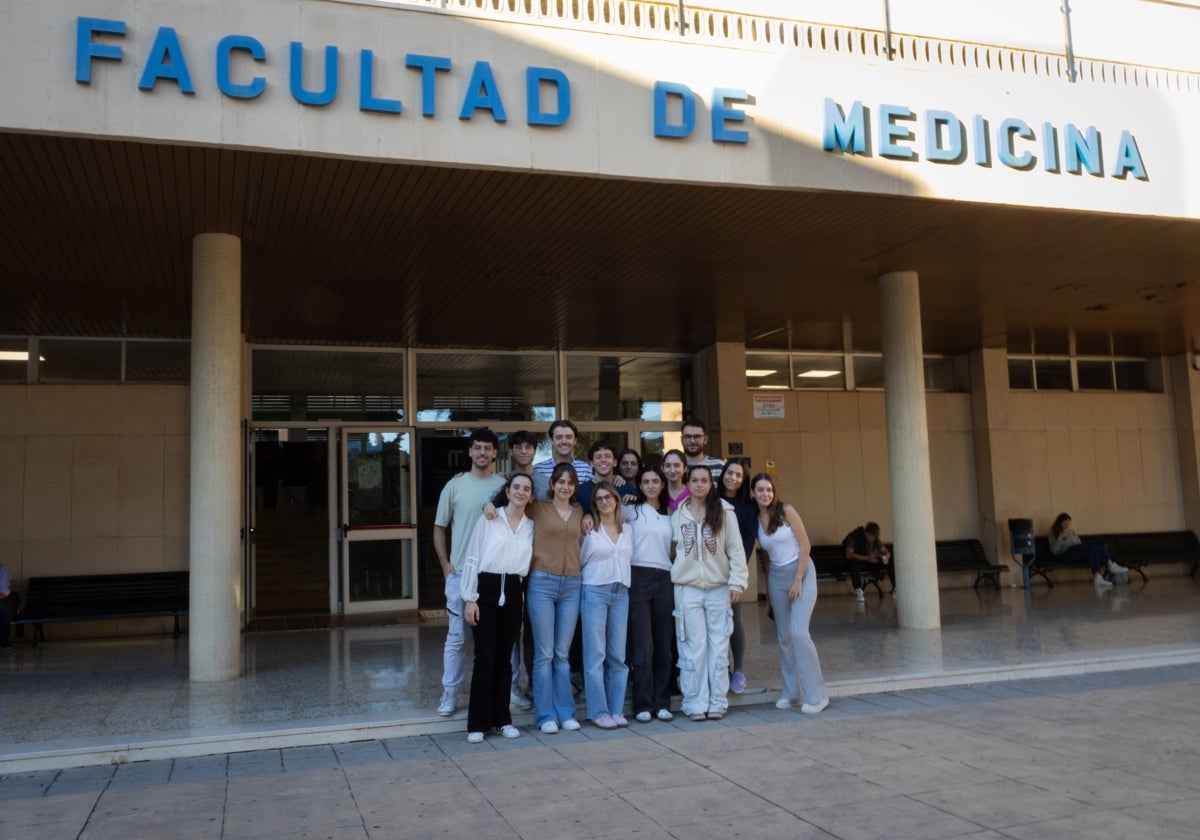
(709, 573)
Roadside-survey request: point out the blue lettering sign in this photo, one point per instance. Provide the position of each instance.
(86, 49)
(429, 65)
(166, 61)
(890, 133)
(1082, 150)
(848, 133)
(557, 79)
(982, 144)
(1049, 147)
(483, 94)
(1004, 144)
(1129, 159)
(367, 100)
(314, 98)
(722, 114)
(663, 127)
(935, 121)
(225, 83)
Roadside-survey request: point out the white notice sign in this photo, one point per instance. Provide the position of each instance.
(768, 405)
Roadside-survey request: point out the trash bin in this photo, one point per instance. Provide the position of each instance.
(1020, 535)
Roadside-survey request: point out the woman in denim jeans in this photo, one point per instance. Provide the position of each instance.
(604, 558)
(552, 599)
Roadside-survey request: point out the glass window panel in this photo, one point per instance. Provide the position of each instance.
(1020, 374)
(650, 388)
(818, 372)
(14, 360)
(305, 385)
(474, 387)
(868, 372)
(1132, 376)
(1053, 374)
(1094, 374)
(377, 467)
(940, 375)
(768, 371)
(69, 360)
(158, 361)
(381, 570)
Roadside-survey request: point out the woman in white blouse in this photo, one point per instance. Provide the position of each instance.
(604, 558)
(651, 598)
(493, 576)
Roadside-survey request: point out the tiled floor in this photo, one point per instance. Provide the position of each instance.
(86, 701)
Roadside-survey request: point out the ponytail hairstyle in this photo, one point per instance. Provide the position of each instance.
(501, 497)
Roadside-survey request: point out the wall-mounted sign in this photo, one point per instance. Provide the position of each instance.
(768, 406)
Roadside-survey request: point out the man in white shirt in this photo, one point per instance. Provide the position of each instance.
(459, 509)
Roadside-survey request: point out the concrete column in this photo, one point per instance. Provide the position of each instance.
(215, 549)
(908, 452)
(1184, 385)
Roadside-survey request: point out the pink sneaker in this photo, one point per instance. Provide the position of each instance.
(605, 722)
(619, 720)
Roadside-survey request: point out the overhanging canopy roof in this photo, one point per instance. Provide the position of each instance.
(95, 240)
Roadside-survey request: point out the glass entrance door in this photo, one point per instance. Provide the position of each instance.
(378, 531)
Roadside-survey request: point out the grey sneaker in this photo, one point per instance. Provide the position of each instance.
(516, 699)
(1101, 583)
(447, 705)
(858, 595)
(643, 717)
(1116, 568)
(737, 683)
(784, 703)
(664, 715)
(510, 731)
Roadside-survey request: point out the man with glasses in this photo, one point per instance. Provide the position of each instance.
(459, 508)
(695, 438)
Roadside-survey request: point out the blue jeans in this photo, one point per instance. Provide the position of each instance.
(605, 623)
(552, 603)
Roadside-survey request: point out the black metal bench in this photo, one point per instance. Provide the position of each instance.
(967, 557)
(1133, 551)
(101, 597)
(829, 561)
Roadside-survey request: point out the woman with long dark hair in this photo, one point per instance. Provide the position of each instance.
(709, 573)
(651, 598)
(736, 490)
(493, 576)
(674, 467)
(792, 586)
(1066, 544)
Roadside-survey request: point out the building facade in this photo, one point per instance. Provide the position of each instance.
(264, 262)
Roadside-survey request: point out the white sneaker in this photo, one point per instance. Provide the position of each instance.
(813, 708)
(517, 700)
(1101, 583)
(570, 725)
(1115, 568)
(446, 706)
(858, 595)
(474, 737)
(665, 715)
(643, 717)
(510, 731)
(550, 728)
(784, 703)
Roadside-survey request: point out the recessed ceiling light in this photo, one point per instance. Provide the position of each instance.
(817, 373)
(772, 387)
(760, 372)
(17, 356)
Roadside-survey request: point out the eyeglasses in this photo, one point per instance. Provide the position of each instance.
(604, 497)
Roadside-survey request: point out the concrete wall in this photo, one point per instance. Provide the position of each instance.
(93, 478)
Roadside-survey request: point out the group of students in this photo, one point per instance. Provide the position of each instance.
(652, 561)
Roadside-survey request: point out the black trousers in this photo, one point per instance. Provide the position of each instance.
(853, 567)
(495, 632)
(651, 637)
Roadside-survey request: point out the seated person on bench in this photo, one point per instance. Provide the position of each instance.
(862, 545)
(1066, 545)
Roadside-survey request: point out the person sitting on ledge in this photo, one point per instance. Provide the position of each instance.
(1066, 544)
